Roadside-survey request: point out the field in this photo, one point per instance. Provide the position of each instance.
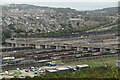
(96, 62)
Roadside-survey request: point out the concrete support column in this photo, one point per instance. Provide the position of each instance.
(27, 45)
(47, 47)
(102, 50)
(19, 45)
(37, 46)
(16, 45)
(113, 50)
(79, 48)
(60, 47)
(57, 47)
(89, 48)
(13, 45)
(66, 47)
(69, 46)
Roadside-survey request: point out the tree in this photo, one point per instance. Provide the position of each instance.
(5, 34)
(18, 31)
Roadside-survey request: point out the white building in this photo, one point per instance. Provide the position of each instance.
(118, 63)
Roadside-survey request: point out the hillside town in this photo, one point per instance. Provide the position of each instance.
(43, 19)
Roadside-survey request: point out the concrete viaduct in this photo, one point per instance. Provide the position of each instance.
(54, 43)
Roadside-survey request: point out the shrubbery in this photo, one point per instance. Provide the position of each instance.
(89, 73)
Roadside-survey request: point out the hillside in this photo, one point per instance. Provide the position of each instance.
(23, 20)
